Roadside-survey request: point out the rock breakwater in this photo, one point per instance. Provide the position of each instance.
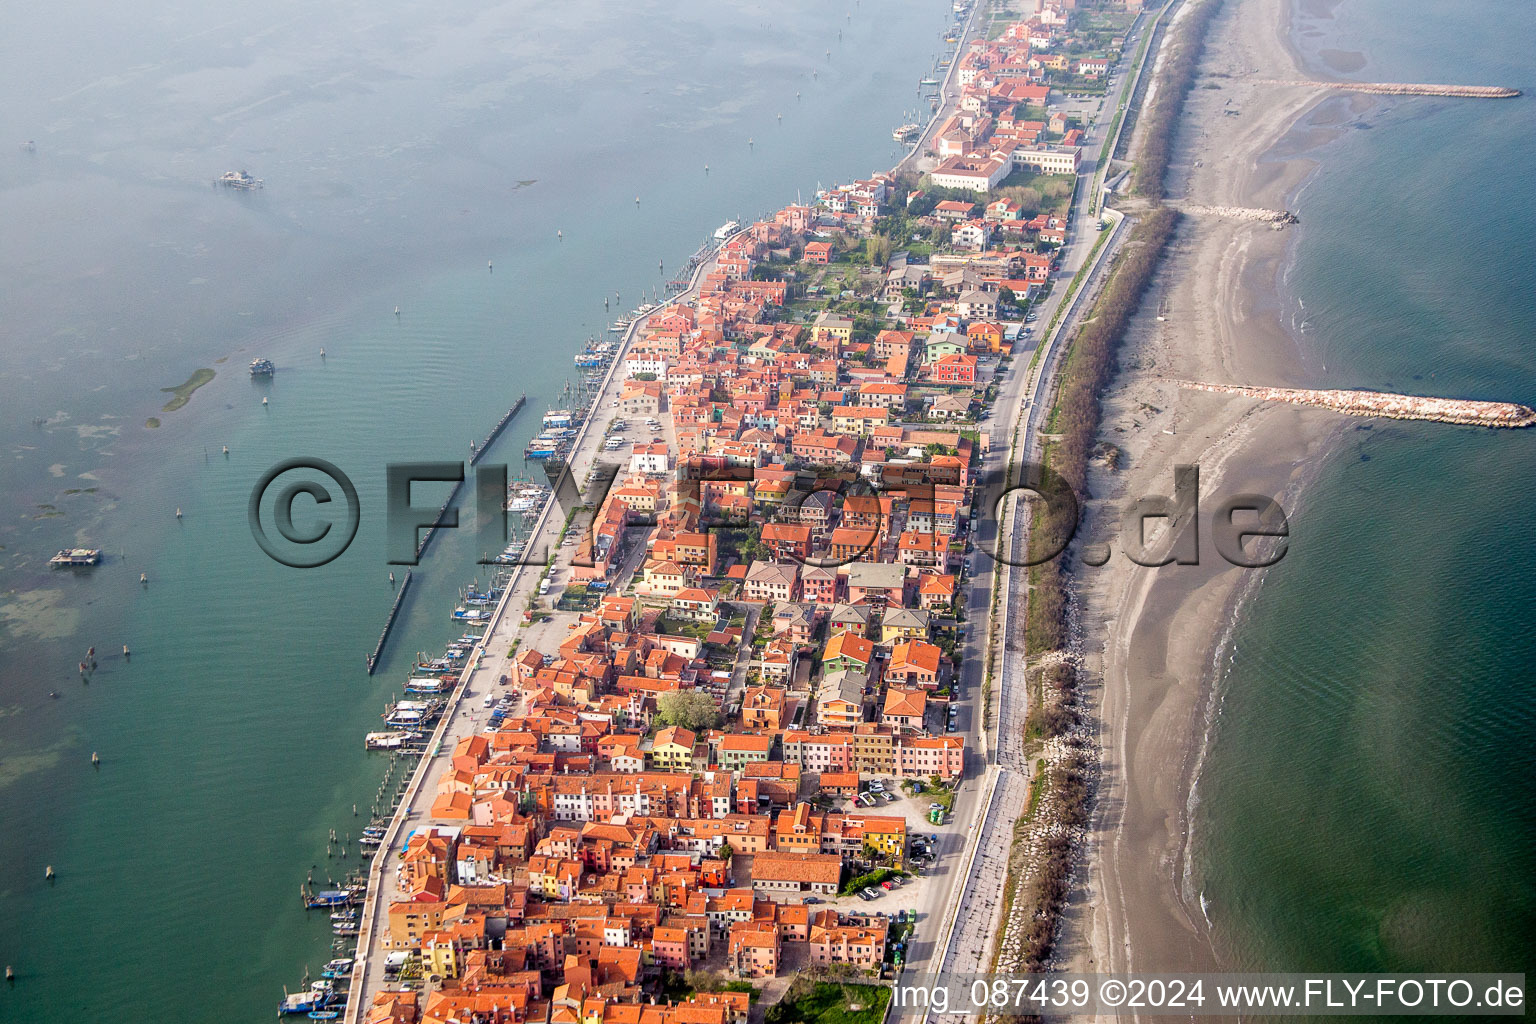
(1467, 412)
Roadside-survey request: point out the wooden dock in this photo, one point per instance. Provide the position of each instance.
(389, 623)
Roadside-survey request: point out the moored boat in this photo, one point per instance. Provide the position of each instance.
(76, 557)
(462, 614)
(392, 740)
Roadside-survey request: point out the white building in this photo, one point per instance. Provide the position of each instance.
(975, 175)
(1048, 160)
(649, 459)
(644, 362)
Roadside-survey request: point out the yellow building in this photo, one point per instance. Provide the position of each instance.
(441, 956)
(886, 834)
(673, 749)
(829, 327)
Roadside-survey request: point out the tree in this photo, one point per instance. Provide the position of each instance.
(691, 709)
(726, 851)
(877, 249)
(1005, 296)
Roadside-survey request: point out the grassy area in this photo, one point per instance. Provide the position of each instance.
(182, 393)
(1072, 287)
(870, 880)
(824, 1002)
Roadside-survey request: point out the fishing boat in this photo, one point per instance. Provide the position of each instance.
(462, 614)
(411, 713)
(333, 898)
(262, 368)
(541, 448)
(342, 928)
(324, 1014)
(350, 914)
(557, 418)
(239, 179)
(76, 557)
(513, 555)
(341, 967)
(929, 81)
(585, 359)
(308, 1001)
(389, 740)
(427, 684)
(905, 132)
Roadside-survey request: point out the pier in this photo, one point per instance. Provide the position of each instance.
(1465, 412)
(501, 425)
(389, 623)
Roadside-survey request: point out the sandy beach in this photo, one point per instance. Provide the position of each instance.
(1151, 635)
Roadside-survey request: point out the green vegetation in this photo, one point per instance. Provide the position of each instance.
(153, 423)
(182, 393)
(810, 1000)
(691, 709)
(869, 880)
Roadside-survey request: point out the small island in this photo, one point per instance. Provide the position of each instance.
(182, 393)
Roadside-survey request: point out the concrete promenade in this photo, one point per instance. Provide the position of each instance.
(488, 663)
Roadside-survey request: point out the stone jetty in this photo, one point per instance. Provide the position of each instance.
(1379, 403)
(1476, 92)
(1275, 218)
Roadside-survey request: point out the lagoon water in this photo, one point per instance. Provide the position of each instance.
(1366, 803)
(403, 145)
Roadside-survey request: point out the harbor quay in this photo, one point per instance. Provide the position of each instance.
(671, 760)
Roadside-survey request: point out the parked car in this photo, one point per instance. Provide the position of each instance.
(887, 886)
(872, 893)
(812, 899)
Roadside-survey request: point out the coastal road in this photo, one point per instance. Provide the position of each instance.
(1018, 412)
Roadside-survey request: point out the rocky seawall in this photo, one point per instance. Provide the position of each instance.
(1476, 92)
(1466, 412)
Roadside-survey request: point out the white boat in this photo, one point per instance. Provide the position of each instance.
(389, 740)
(239, 179)
(726, 230)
